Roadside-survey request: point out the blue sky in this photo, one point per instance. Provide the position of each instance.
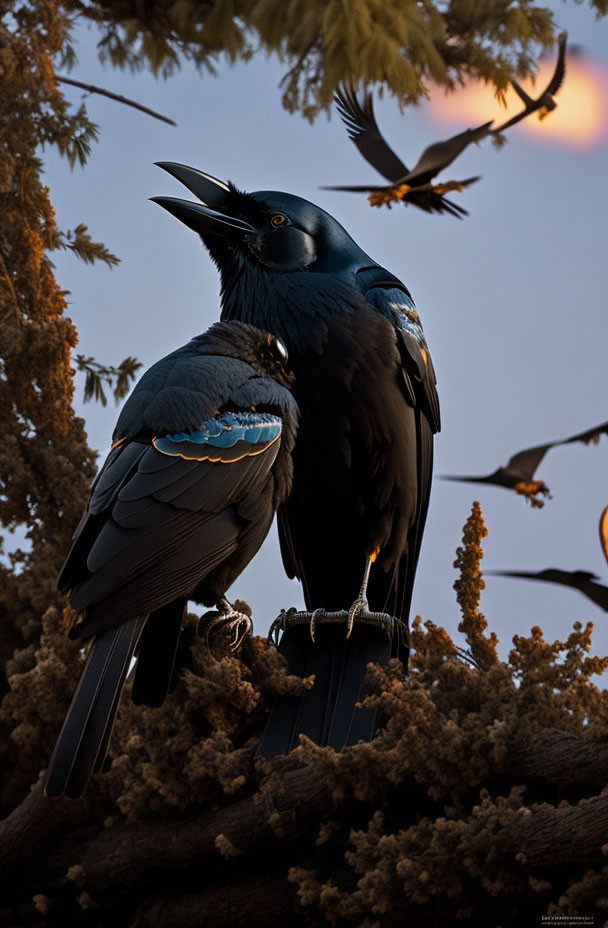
(512, 298)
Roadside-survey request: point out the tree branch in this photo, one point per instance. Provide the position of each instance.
(125, 855)
(253, 827)
(262, 901)
(91, 88)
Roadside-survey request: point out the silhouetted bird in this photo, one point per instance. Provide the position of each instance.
(410, 186)
(580, 580)
(365, 386)
(200, 461)
(416, 186)
(518, 473)
(545, 102)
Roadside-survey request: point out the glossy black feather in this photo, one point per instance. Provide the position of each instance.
(164, 526)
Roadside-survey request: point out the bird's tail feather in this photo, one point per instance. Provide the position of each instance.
(84, 737)
(326, 713)
(156, 654)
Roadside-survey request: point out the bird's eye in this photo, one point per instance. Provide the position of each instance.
(277, 349)
(278, 220)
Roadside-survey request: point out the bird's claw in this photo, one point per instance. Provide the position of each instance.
(236, 624)
(313, 623)
(359, 606)
(389, 196)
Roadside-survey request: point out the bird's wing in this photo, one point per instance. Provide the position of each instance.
(160, 520)
(439, 155)
(419, 379)
(179, 392)
(590, 435)
(523, 96)
(522, 466)
(560, 67)
(582, 580)
(363, 130)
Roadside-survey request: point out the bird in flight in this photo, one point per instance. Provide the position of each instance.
(580, 580)
(545, 102)
(409, 186)
(416, 186)
(201, 458)
(365, 387)
(518, 473)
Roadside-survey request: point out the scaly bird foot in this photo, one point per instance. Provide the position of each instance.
(359, 607)
(237, 624)
(313, 622)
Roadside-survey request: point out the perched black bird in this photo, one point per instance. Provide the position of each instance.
(518, 472)
(413, 186)
(580, 580)
(201, 459)
(545, 102)
(365, 386)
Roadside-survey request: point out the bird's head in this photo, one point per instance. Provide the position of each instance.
(262, 236)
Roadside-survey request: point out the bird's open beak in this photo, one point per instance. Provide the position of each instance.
(208, 216)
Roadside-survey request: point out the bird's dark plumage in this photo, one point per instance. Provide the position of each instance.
(580, 580)
(201, 459)
(365, 385)
(545, 102)
(518, 473)
(363, 130)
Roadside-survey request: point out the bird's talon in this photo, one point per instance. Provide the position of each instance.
(358, 607)
(236, 624)
(313, 623)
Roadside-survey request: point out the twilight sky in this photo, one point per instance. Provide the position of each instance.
(512, 298)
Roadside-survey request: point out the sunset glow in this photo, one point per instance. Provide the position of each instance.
(580, 120)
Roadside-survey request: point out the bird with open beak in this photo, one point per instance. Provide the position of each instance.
(352, 526)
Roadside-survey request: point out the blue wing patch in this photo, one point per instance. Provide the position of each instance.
(226, 438)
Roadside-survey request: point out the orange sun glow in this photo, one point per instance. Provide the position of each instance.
(580, 120)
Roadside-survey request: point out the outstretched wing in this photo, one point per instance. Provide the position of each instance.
(165, 514)
(438, 156)
(528, 102)
(560, 67)
(582, 580)
(363, 130)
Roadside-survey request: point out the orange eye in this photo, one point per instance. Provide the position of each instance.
(278, 220)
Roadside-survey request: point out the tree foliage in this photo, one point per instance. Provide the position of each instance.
(478, 803)
(400, 45)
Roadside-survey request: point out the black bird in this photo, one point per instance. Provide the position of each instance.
(416, 186)
(545, 102)
(580, 580)
(518, 472)
(365, 386)
(200, 461)
(413, 186)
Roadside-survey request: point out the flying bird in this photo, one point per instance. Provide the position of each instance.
(365, 387)
(545, 102)
(580, 580)
(416, 186)
(518, 473)
(410, 186)
(201, 458)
